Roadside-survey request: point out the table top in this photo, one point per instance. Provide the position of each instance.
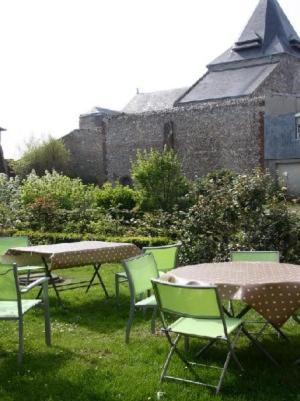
(79, 253)
(239, 273)
(272, 289)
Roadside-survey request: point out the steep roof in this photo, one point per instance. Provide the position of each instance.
(153, 101)
(255, 55)
(226, 84)
(268, 32)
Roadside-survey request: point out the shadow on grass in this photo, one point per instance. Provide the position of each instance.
(50, 376)
(261, 380)
(100, 315)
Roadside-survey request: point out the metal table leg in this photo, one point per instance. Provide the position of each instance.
(51, 282)
(97, 267)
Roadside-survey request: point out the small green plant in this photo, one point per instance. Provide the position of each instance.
(117, 196)
(159, 178)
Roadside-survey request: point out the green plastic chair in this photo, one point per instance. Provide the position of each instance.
(13, 307)
(140, 270)
(26, 264)
(255, 256)
(199, 314)
(166, 258)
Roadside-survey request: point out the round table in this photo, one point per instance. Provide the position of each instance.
(272, 289)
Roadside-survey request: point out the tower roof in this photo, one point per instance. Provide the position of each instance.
(268, 33)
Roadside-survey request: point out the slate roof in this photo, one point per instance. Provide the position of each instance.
(268, 32)
(153, 101)
(101, 112)
(226, 84)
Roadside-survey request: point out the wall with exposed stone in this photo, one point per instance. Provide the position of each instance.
(227, 134)
(87, 151)
(284, 79)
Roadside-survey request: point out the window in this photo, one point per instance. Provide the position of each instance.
(297, 127)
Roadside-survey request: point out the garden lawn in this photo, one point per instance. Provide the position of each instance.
(89, 360)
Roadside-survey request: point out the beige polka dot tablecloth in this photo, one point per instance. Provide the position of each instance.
(272, 289)
(82, 253)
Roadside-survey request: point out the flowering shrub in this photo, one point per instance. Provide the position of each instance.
(10, 205)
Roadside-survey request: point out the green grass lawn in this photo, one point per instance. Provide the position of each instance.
(90, 361)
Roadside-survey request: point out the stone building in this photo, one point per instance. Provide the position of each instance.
(244, 112)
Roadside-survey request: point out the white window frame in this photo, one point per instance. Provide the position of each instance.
(297, 126)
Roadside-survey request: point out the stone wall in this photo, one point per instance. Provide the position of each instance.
(2, 162)
(284, 79)
(227, 134)
(87, 149)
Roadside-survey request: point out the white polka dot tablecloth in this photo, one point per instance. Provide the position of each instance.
(82, 253)
(272, 289)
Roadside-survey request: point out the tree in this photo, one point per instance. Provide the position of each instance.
(159, 178)
(40, 156)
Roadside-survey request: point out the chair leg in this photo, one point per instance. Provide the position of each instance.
(231, 353)
(168, 359)
(181, 356)
(21, 341)
(154, 314)
(223, 372)
(129, 323)
(47, 314)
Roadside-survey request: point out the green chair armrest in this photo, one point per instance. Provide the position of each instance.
(40, 281)
(30, 268)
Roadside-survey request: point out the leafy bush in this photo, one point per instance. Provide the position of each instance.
(10, 204)
(118, 196)
(158, 176)
(42, 156)
(68, 193)
(235, 212)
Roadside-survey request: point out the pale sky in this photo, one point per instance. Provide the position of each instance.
(60, 58)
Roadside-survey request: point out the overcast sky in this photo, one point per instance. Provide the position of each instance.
(60, 58)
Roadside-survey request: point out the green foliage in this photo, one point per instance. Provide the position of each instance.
(117, 196)
(158, 176)
(38, 237)
(41, 156)
(236, 212)
(68, 193)
(228, 212)
(10, 206)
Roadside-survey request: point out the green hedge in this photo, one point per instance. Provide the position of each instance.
(37, 237)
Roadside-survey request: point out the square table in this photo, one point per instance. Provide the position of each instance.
(75, 254)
